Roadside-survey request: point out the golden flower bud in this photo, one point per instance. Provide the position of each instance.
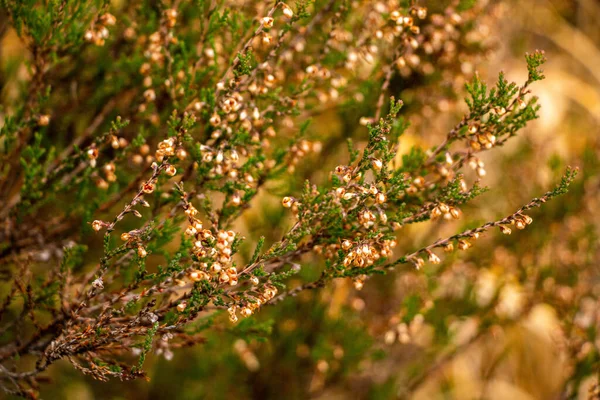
(434, 259)
(150, 95)
(223, 277)
(380, 198)
(215, 119)
(287, 202)
(377, 164)
(455, 212)
(148, 187)
(44, 120)
(358, 284)
(108, 19)
(418, 262)
(267, 22)
(246, 311)
(171, 170)
(463, 244)
(287, 11)
(197, 275)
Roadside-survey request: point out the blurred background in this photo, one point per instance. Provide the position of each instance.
(515, 317)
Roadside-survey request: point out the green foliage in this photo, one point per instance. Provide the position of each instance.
(256, 254)
(35, 170)
(147, 345)
(453, 193)
(414, 160)
(534, 62)
(566, 180)
(252, 329)
(465, 5)
(246, 63)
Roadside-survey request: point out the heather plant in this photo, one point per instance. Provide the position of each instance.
(136, 135)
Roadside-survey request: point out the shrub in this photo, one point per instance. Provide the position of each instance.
(155, 126)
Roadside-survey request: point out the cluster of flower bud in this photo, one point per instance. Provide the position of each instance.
(443, 209)
(389, 30)
(118, 142)
(477, 165)
(480, 140)
(417, 184)
(215, 252)
(171, 17)
(299, 150)
(154, 51)
(404, 333)
(166, 148)
(133, 237)
(250, 307)
(230, 105)
(109, 172)
(318, 71)
(520, 222)
(157, 56)
(225, 163)
(437, 38)
(367, 218)
(98, 33)
(92, 154)
(346, 174)
(365, 253)
(109, 168)
(234, 109)
(143, 155)
(401, 22)
(448, 246)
